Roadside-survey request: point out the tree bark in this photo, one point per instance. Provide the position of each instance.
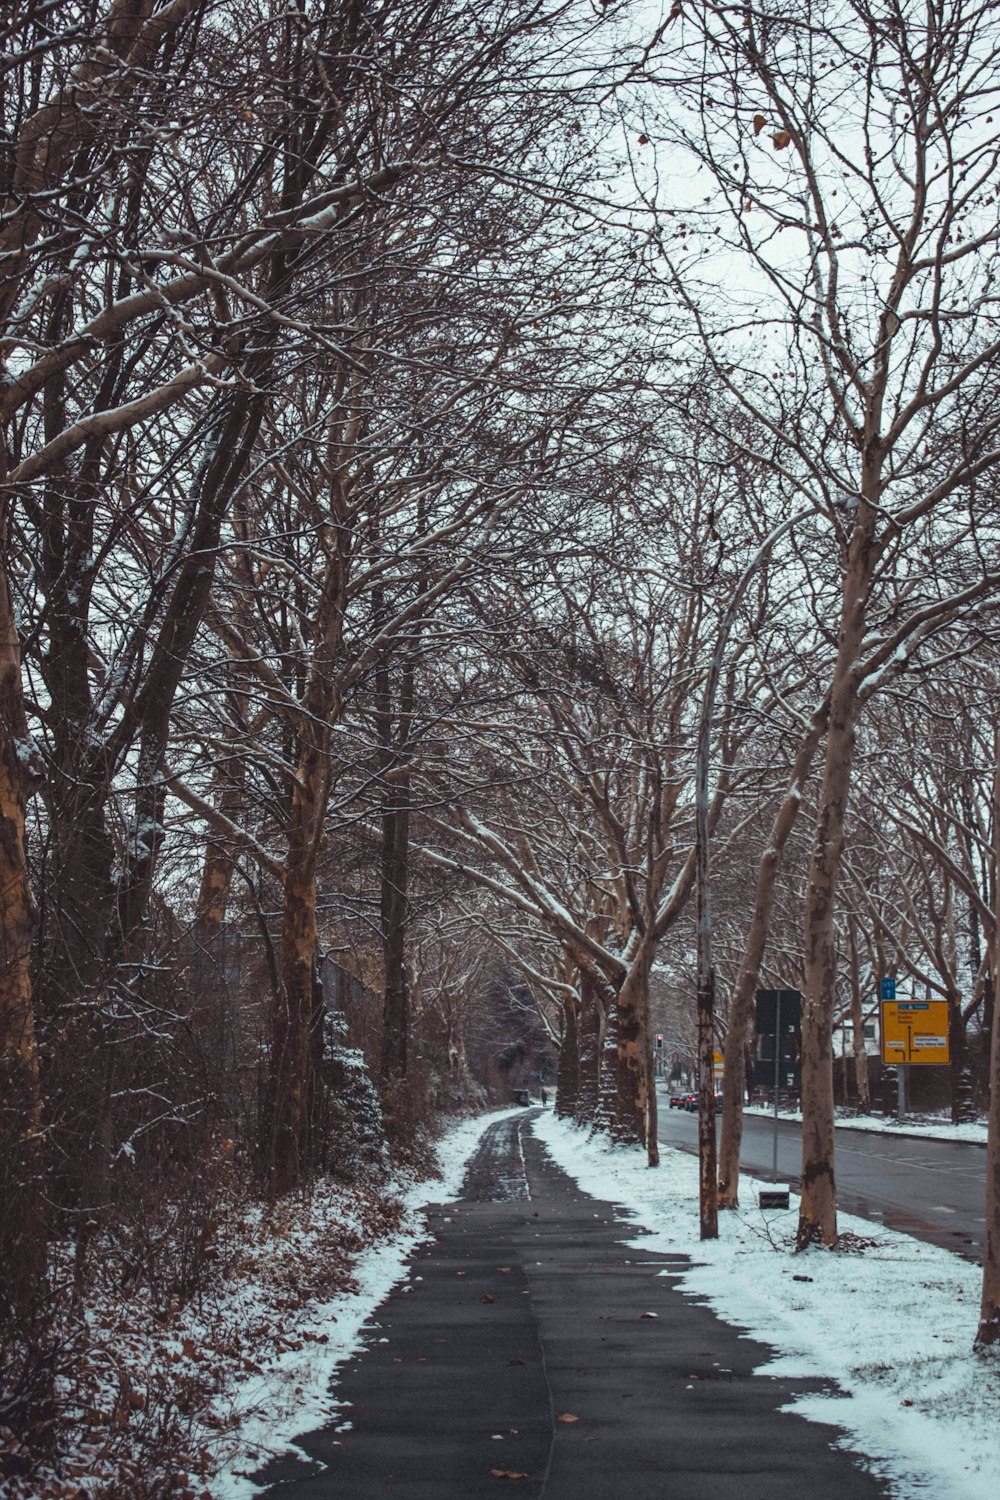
(963, 1109)
(22, 1241)
(395, 905)
(288, 1115)
(988, 1332)
(858, 1023)
(818, 1206)
(741, 1006)
(217, 870)
(568, 1078)
(287, 1112)
(633, 1101)
(591, 1042)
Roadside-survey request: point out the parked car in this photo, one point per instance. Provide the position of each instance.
(676, 1101)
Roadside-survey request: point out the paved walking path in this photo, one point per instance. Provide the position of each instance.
(527, 1306)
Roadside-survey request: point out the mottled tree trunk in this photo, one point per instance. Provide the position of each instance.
(988, 1332)
(22, 1244)
(591, 1041)
(218, 867)
(741, 1006)
(963, 1109)
(287, 1112)
(633, 1059)
(818, 1207)
(568, 1078)
(607, 1075)
(292, 1020)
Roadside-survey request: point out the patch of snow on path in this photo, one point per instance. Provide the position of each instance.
(294, 1396)
(892, 1324)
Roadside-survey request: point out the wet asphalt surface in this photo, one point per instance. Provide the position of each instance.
(935, 1190)
(527, 1306)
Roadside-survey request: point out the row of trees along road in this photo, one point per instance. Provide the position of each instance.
(393, 403)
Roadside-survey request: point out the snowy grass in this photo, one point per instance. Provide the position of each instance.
(262, 1414)
(891, 1322)
(186, 1396)
(929, 1127)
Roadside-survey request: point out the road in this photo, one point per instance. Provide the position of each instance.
(932, 1189)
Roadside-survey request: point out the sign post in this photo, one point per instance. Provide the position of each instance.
(777, 1081)
(779, 1018)
(914, 1034)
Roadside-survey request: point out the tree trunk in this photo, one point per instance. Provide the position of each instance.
(217, 870)
(292, 1022)
(395, 874)
(607, 1075)
(963, 1110)
(287, 1112)
(741, 1006)
(591, 1041)
(818, 1207)
(22, 1242)
(568, 1079)
(221, 474)
(988, 1332)
(858, 1022)
(633, 1064)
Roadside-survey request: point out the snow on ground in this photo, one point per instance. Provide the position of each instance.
(932, 1127)
(268, 1410)
(889, 1319)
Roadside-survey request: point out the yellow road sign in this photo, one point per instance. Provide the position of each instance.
(915, 1032)
(717, 1063)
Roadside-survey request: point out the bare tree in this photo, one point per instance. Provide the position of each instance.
(869, 255)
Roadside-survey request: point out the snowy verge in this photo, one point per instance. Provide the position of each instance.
(888, 1319)
(264, 1414)
(925, 1126)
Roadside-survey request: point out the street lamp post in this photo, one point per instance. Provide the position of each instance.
(708, 1196)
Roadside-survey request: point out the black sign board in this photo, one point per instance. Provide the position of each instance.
(771, 1003)
(778, 1008)
(789, 1074)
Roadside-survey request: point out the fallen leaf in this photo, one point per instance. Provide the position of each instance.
(508, 1474)
(567, 1416)
(487, 1298)
(649, 1315)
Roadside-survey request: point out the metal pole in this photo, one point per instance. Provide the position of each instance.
(777, 1079)
(901, 1092)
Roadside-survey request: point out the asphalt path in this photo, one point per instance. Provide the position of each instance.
(531, 1343)
(932, 1189)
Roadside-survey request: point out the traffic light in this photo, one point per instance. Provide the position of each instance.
(659, 1040)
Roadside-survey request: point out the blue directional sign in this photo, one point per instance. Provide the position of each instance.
(888, 989)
